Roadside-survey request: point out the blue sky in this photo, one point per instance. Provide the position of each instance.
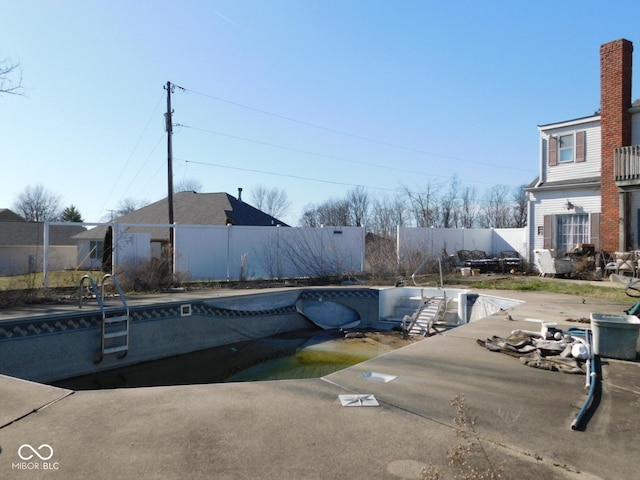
(313, 97)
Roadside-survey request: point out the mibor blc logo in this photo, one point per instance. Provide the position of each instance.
(35, 458)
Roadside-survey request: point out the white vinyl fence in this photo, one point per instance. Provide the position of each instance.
(241, 252)
(203, 252)
(237, 252)
(422, 242)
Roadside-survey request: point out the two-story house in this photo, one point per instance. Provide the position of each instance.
(588, 190)
(564, 202)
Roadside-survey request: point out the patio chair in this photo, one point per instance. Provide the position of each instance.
(625, 263)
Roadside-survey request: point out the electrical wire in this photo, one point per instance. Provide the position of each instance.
(352, 135)
(135, 148)
(297, 177)
(307, 152)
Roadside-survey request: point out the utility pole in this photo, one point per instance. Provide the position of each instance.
(169, 128)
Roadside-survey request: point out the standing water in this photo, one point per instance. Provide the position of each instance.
(294, 355)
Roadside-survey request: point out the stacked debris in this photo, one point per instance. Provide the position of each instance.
(558, 352)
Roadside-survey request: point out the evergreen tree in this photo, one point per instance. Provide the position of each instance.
(107, 251)
(71, 214)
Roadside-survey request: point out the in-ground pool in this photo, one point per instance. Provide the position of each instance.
(256, 336)
(310, 353)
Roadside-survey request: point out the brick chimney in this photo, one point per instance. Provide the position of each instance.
(615, 100)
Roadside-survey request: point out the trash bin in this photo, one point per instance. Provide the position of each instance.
(615, 335)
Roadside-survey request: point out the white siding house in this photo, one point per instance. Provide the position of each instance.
(564, 202)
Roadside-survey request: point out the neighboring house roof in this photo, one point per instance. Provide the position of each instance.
(7, 215)
(15, 234)
(191, 208)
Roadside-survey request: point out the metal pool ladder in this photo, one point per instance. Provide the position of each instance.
(115, 321)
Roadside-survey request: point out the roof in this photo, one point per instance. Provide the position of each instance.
(192, 208)
(568, 184)
(7, 215)
(590, 118)
(13, 233)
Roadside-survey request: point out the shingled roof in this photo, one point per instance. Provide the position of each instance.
(191, 208)
(7, 215)
(32, 233)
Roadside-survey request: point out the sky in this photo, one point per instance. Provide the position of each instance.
(312, 97)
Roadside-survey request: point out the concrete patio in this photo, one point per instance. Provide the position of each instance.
(298, 429)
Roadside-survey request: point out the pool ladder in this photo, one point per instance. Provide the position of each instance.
(115, 322)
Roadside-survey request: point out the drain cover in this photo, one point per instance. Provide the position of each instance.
(366, 400)
(378, 377)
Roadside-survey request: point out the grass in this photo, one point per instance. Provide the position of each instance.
(582, 288)
(600, 290)
(57, 279)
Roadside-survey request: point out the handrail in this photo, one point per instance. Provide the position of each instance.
(94, 287)
(118, 289)
(421, 266)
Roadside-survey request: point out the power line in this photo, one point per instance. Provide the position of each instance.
(307, 152)
(297, 177)
(333, 157)
(135, 148)
(352, 135)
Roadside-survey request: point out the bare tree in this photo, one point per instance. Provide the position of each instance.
(331, 212)
(449, 204)
(310, 216)
(424, 205)
(10, 77)
(468, 207)
(127, 205)
(36, 204)
(495, 209)
(520, 208)
(334, 212)
(386, 214)
(272, 201)
(358, 201)
(188, 185)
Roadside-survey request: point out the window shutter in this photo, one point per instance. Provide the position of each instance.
(547, 232)
(553, 151)
(594, 230)
(580, 138)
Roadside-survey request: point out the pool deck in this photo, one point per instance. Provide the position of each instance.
(298, 429)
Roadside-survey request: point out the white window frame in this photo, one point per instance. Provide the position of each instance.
(569, 232)
(563, 150)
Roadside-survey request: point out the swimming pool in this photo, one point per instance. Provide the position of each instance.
(55, 347)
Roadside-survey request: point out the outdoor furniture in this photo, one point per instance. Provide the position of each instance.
(509, 260)
(477, 259)
(548, 265)
(622, 263)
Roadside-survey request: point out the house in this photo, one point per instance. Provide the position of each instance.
(189, 208)
(588, 191)
(22, 245)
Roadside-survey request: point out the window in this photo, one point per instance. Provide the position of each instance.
(95, 250)
(565, 148)
(572, 229)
